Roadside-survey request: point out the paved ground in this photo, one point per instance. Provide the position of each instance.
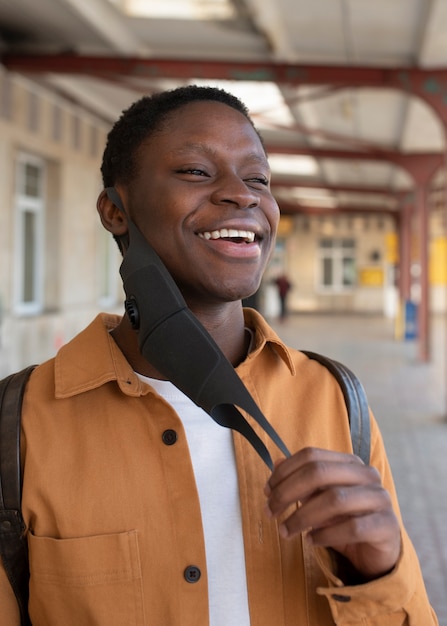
(409, 401)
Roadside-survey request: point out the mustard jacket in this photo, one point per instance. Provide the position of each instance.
(113, 516)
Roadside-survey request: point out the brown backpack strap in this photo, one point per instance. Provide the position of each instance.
(13, 542)
(356, 403)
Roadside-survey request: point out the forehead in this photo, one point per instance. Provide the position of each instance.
(206, 123)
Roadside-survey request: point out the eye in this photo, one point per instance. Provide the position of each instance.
(258, 180)
(192, 171)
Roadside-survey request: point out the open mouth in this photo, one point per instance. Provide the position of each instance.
(230, 234)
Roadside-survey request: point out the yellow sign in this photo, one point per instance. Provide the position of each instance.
(391, 248)
(371, 277)
(285, 226)
(438, 261)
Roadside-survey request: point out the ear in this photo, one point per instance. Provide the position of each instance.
(112, 218)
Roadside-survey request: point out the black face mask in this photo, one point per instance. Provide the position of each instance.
(173, 340)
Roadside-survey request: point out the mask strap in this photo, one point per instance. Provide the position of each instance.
(173, 340)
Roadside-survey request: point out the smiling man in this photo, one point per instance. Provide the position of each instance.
(142, 510)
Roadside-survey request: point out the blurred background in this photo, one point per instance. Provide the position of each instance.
(351, 99)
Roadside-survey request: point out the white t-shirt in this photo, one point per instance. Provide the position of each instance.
(212, 454)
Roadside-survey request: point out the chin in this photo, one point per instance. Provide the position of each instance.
(242, 294)
(223, 290)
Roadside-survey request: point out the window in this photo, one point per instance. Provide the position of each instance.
(337, 264)
(6, 97)
(94, 141)
(56, 123)
(33, 112)
(75, 132)
(29, 235)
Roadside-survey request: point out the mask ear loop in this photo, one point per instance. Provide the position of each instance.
(173, 340)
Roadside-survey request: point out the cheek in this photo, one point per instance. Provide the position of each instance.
(160, 231)
(274, 218)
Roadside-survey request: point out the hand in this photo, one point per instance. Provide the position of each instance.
(341, 505)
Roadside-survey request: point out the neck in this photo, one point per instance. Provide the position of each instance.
(224, 323)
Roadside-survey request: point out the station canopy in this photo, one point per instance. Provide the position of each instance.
(350, 95)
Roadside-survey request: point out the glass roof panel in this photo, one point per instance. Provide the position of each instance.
(180, 9)
(264, 101)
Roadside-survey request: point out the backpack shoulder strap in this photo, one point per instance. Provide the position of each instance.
(356, 403)
(13, 543)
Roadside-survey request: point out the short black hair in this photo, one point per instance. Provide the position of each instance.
(146, 116)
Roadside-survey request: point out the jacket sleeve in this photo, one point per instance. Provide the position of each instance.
(10, 614)
(397, 599)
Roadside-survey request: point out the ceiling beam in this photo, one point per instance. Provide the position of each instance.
(405, 78)
(428, 84)
(423, 31)
(335, 153)
(293, 208)
(420, 165)
(108, 23)
(382, 191)
(269, 20)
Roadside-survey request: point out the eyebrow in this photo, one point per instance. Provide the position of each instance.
(209, 150)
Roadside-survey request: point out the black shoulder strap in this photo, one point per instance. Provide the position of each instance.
(13, 543)
(356, 403)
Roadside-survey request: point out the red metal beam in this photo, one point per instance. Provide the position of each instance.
(429, 84)
(361, 155)
(420, 165)
(294, 208)
(333, 153)
(406, 78)
(382, 191)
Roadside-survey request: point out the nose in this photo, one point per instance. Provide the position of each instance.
(231, 189)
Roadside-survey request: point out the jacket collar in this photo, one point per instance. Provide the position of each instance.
(93, 359)
(265, 335)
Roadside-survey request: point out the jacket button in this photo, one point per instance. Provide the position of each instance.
(192, 574)
(6, 525)
(169, 437)
(339, 598)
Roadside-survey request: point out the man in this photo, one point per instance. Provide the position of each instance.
(140, 509)
(284, 286)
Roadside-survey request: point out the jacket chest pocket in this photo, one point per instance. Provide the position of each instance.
(93, 581)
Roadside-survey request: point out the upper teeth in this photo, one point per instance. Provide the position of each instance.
(248, 235)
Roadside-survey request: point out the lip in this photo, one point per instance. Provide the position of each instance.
(247, 236)
(243, 251)
(236, 250)
(247, 225)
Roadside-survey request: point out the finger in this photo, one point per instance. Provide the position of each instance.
(318, 477)
(277, 463)
(330, 509)
(303, 457)
(374, 529)
(371, 543)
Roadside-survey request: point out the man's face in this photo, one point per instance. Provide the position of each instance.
(202, 199)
